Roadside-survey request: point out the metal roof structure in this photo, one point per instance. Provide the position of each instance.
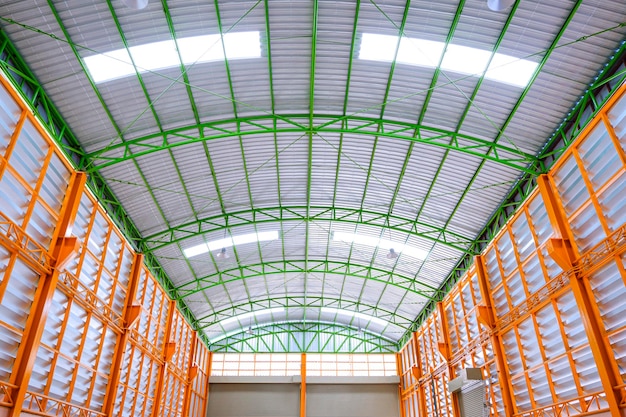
(309, 159)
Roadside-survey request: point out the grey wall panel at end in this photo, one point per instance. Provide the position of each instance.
(376, 400)
(254, 400)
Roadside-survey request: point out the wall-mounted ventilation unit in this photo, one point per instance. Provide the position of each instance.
(468, 377)
(470, 392)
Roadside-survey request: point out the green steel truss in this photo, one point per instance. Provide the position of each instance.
(304, 337)
(310, 336)
(315, 266)
(273, 124)
(302, 302)
(307, 214)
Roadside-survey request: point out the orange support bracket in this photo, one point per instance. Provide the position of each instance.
(170, 349)
(415, 371)
(443, 349)
(484, 316)
(132, 315)
(64, 251)
(560, 250)
(193, 372)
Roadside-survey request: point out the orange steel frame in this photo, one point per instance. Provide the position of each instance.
(133, 304)
(476, 326)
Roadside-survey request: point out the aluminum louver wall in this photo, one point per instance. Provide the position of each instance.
(541, 312)
(85, 329)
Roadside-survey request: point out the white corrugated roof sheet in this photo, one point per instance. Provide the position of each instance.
(308, 140)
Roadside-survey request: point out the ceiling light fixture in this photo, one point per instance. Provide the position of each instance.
(499, 5)
(380, 243)
(136, 4)
(222, 254)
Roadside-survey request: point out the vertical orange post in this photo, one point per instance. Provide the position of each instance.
(192, 371)
(444, 348)
(563, 252)
(61, 250)
(417, 373)
(399, 373)
(486, 315)
(168, 350)
(303, 385)
(208, 381)
(131, 314)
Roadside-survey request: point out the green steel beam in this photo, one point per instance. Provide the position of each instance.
(298, 213)
(316, 266)
(121, 151)
(420, 119)
(302, 302)
(183, 74)
(318, 337)
(383, 107)
(310, 145)
(340, 153)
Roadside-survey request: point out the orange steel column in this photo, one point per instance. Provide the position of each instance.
(563, 252)
(131, 313)
(208, 381)
(399, 373)
(168, 350)
(303, 385)
(191, 374)
(486, 315)
(444, 349)
(418, 373)
(63, 247)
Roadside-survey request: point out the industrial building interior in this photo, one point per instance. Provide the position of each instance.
(312, 208)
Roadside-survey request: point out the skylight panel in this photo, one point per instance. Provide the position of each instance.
(465, 60)
(380, 243)
(420, 52)
(378, 47)
(510, 70)
(160, 55)
(462, 59)
(230, 241)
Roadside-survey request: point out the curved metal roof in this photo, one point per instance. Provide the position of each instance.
(343, 157)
